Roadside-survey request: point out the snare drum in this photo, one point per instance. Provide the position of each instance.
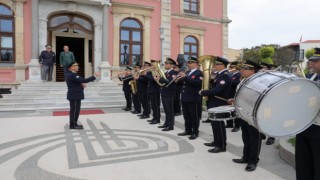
(222, 113)
(278, 104)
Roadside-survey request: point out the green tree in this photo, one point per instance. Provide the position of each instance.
(309, 53)
(266, 53)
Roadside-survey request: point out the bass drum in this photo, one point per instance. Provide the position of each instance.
(278, 104)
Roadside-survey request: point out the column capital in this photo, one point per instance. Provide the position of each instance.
(106, 2)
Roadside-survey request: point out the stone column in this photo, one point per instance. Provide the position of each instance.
(105, 67)
(225, 28)
(34, 66)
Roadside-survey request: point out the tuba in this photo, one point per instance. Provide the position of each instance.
(133, 85)
(157, 71)
(206, 61)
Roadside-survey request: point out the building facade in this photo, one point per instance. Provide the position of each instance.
(106, 35)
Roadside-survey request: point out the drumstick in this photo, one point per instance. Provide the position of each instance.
(221, 98)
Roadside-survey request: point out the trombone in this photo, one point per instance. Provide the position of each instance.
(118, 75)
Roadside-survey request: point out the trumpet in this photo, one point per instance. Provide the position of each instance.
(178, 77)
(118, 75)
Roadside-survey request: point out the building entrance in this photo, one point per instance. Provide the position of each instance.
(76, 45)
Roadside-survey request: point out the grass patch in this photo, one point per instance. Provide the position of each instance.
(292, 141)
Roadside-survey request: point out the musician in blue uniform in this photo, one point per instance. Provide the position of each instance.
(126, 78)
(75, 93)
(135, 95)
(168, 93)
(251, 136)
(177, 99)
(307, 153)
(234, 68)
(142, 92)
(154, 97)
(217, 96)
(190, 99)
(47, 60)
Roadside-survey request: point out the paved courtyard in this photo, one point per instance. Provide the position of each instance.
(119, 145)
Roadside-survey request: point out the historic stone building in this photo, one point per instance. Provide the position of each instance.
(106, 35)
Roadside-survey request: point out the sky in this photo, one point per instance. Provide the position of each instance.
(256, 22)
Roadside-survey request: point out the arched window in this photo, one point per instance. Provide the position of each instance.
(190, 47)
(191, 6)
(6, 34)
(74, 22)
(130, 42)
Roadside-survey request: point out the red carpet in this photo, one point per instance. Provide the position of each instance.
(82, 112)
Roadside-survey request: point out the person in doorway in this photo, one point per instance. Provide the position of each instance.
(75, 93)
(66, 58)
(47, 60)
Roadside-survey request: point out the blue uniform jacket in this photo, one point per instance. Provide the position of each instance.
(235, 80)
(220, 88)
(126, 87)
(171, 90)
(153, 86)
(191, 85)
(47, 58)
(75, 89)
(142, 84)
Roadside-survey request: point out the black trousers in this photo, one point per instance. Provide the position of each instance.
(136, 102)
(75, 106)
(154, 99)
(168, 107)
(144, 99)
(127, 95)
(252, 142)
(219, 133)
(308, 154)
(177, 103)
(191, 116)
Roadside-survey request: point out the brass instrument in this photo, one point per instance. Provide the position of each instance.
(206, 61)
(133, 85)
(177, 78)
(118, 75)
(158, 72)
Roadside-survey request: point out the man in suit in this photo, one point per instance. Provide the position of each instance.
(154, 97)
(219, 89)
(126, 78)
(142, 92)
(308, 142)
(251, 136)
(66, 58)
(75, 93)
(47, 60)
(234, 68)
(168, 93)
(135, 96)
(190, 99)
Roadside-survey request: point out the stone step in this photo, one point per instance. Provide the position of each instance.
(15, 100)
(63, 84)
(52, 92)
(29, 88)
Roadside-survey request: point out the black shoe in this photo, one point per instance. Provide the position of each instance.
(150, 120)
(270, 141)
(162, 126)
(155, 122)
(167, 128)
(251, 167)
(139, 115)
(75, 127)
(235, 129)
(229, 126)
(177, 114)
(207, 121)
(240, 161)
(127, 109)
(184, 134)
(144, 117)
(217, 150)
(193, 136)
(210, 144)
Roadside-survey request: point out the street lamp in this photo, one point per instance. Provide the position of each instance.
(125, 54)
(161, 29)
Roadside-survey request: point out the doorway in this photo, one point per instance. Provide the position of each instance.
(76, 45)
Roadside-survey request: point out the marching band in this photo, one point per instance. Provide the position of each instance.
(218, 86)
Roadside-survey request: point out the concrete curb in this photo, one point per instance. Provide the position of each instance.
(287, 151)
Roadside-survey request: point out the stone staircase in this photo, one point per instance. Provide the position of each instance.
(52, 96)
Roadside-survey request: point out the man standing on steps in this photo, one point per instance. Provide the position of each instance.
(75, 92)
(66, 58)
(47, 60)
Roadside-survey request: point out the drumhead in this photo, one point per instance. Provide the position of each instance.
(288, 108)
(221, 109)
